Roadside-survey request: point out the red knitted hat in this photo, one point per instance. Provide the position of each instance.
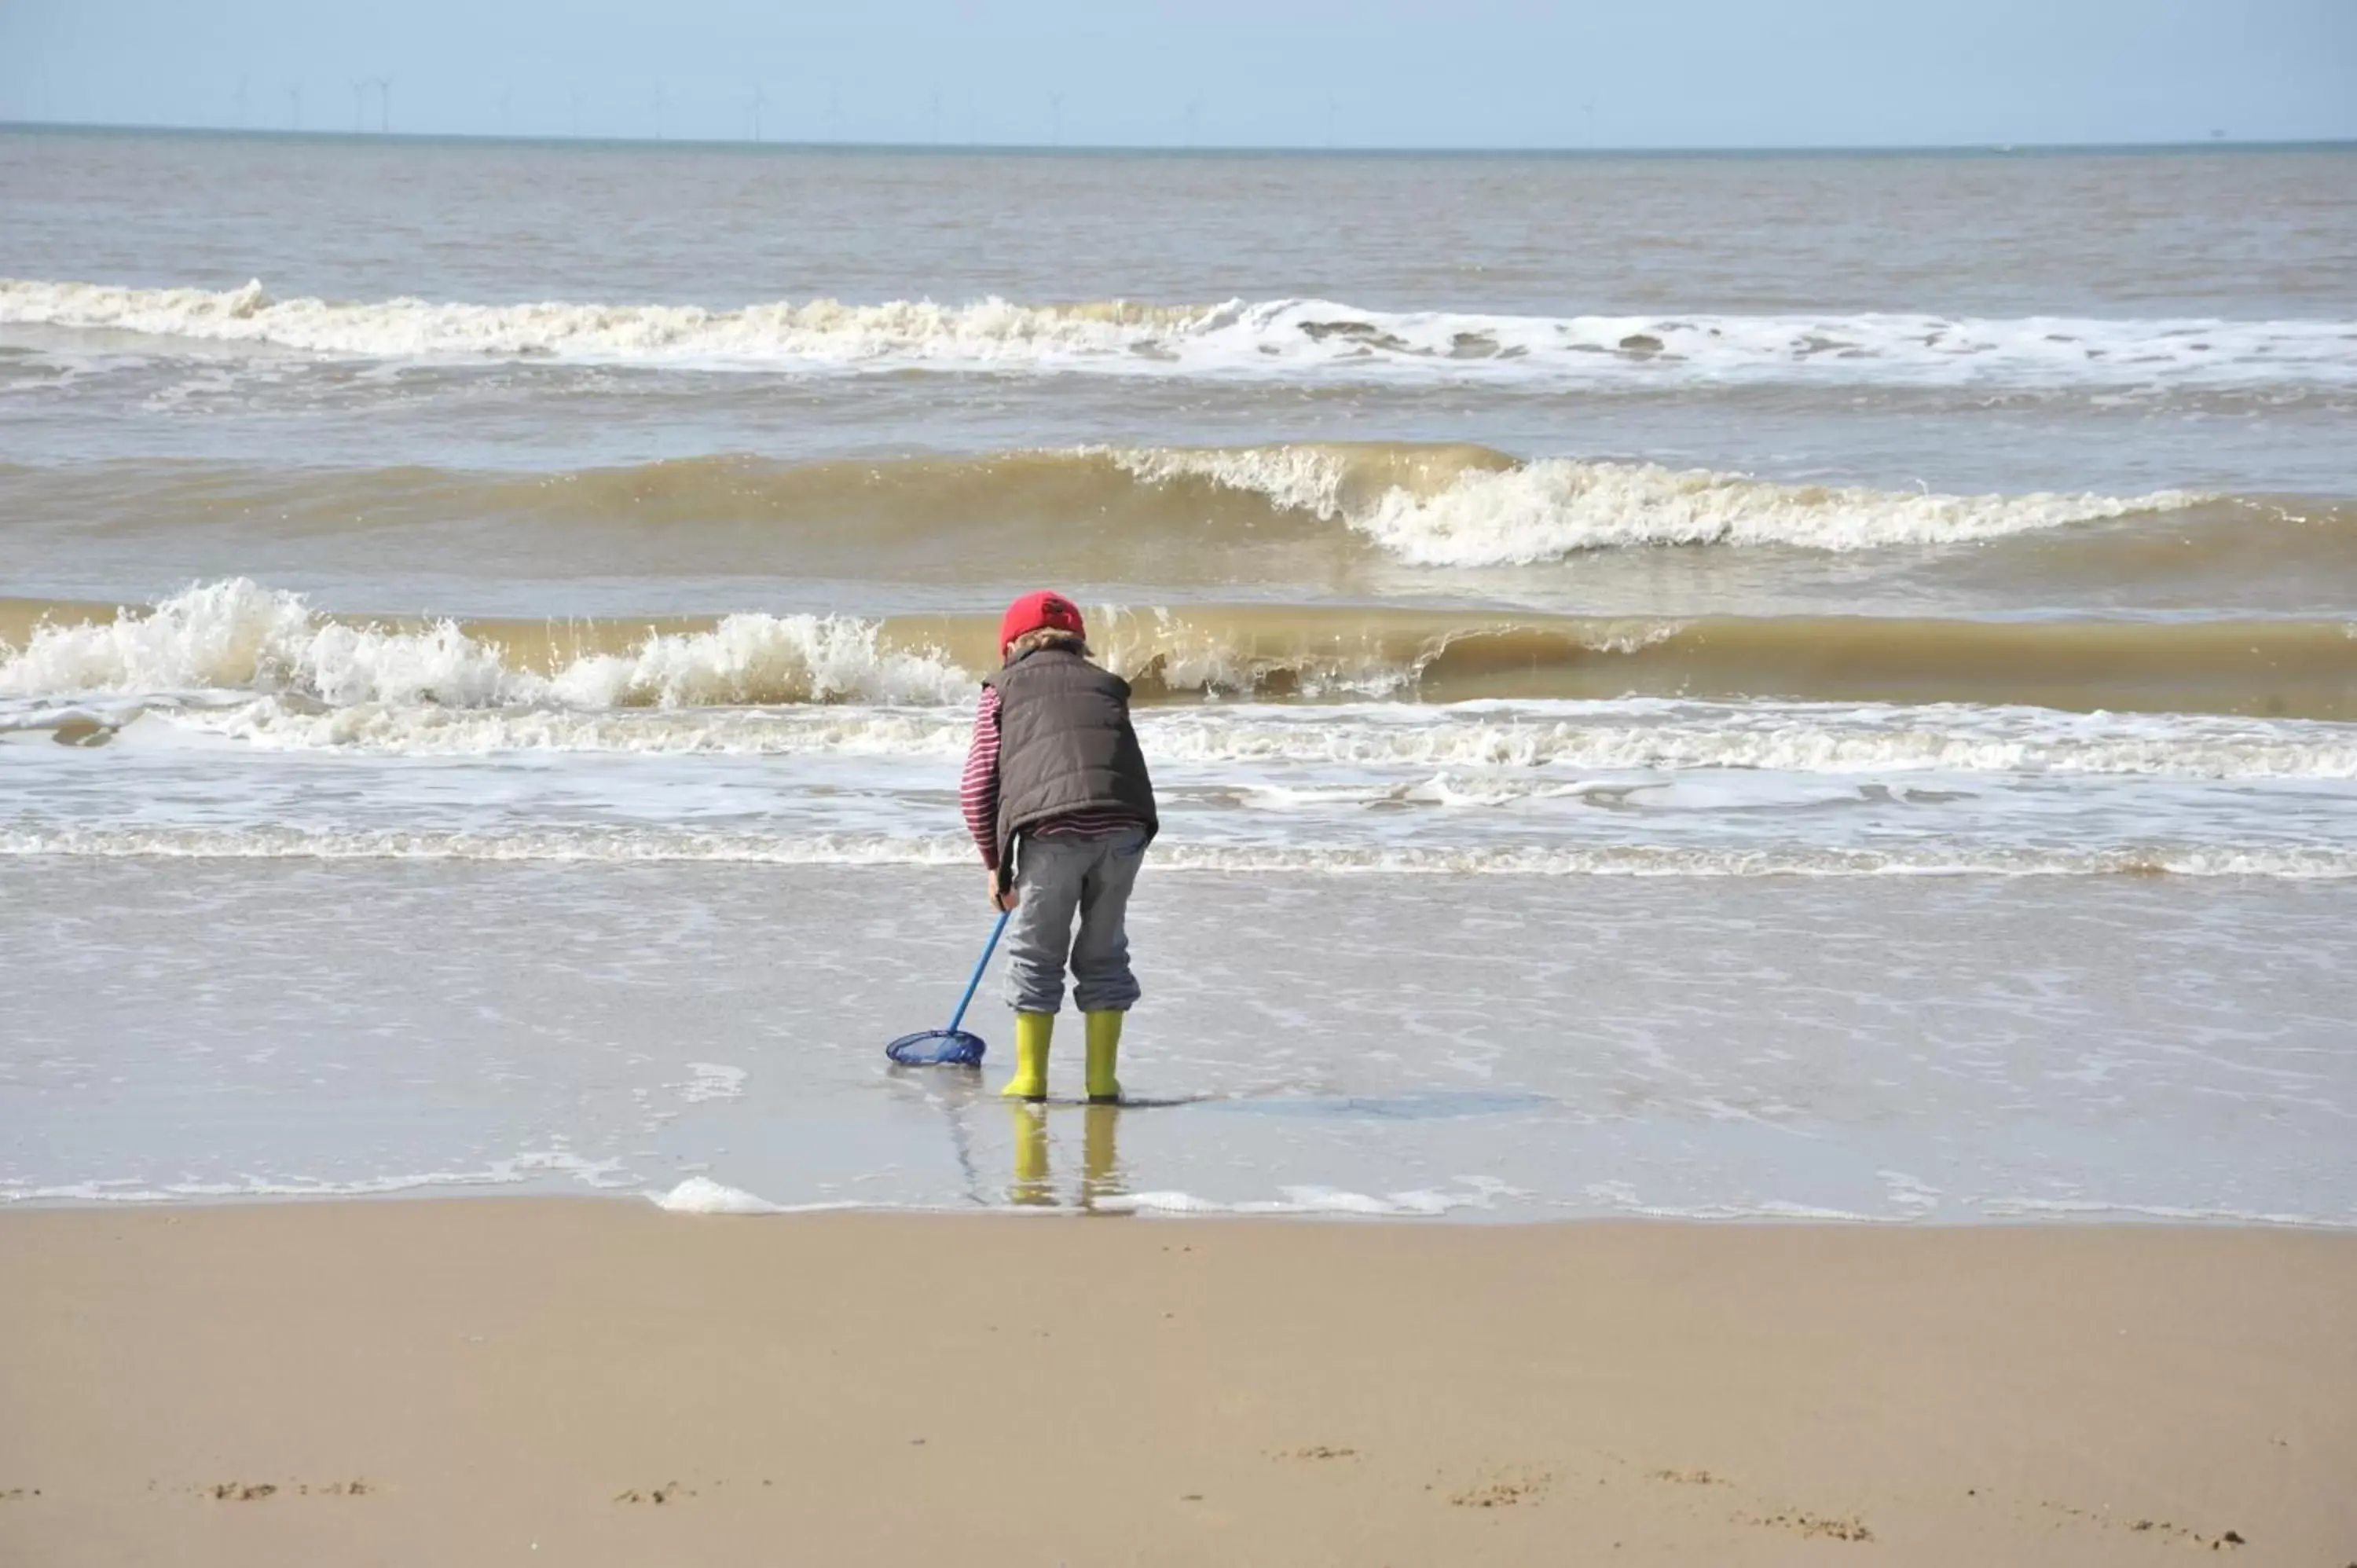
(1034, 612)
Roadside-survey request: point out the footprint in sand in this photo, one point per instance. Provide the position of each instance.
(1847, 1527)
(668, 1492)
(256, 1491)
(1506, 1488)
(1836, 1527)
(2162, 1528)
(1691, 1478)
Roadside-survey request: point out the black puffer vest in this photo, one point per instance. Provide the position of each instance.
(1065, 745)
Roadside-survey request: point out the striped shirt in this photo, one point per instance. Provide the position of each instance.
(978, 792)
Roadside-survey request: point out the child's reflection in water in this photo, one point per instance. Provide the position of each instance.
(1034, 1185)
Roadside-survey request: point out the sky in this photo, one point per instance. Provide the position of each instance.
(1376, 73)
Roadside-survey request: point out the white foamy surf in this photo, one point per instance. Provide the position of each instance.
(702, 1194)
(1267, 338)
(235, 635)
(1651, 735)
(1533, 746)
(1556, 506)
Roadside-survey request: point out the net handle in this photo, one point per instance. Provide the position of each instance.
(976, 984)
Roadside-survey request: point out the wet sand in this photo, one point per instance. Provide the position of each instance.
(582, 1380)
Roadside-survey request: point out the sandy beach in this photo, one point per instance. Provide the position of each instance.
(595, 1382)
(1756, 752)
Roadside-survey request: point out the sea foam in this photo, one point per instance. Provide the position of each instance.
(1556, 506)
(1267, 338)
(236, 634)
(1538, 741)
(702, 1194)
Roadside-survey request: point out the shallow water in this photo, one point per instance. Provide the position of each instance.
(1955, 1050)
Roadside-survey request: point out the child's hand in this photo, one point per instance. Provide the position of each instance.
(1002, 897)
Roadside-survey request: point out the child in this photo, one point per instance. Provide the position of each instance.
(1057, 796)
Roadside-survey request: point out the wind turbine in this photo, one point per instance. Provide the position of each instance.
(359, 105)
(241, 103)
(383, 106)
(760, 100)
(295, 107)
(937, 117)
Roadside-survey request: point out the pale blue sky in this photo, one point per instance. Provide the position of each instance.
(1473, 73)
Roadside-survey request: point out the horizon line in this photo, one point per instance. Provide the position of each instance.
(741, 143)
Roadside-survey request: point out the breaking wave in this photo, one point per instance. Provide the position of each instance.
(235, 635)
(1466, 508)
(1279, 339)
(349, 676)
(1111, 513)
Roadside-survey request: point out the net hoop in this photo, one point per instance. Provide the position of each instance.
(937, 1047)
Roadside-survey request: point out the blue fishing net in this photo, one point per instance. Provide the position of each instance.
(952, 1046)
(938, 1047)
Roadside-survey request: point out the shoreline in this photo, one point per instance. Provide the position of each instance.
(717, 1200)
(569, 1380)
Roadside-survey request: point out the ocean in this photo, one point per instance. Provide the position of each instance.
(1723, 686)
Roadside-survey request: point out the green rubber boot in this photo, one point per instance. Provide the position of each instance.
(1032, 1032)
(1105, 1056)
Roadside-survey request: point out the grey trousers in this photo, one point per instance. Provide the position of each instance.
(1058, 878)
